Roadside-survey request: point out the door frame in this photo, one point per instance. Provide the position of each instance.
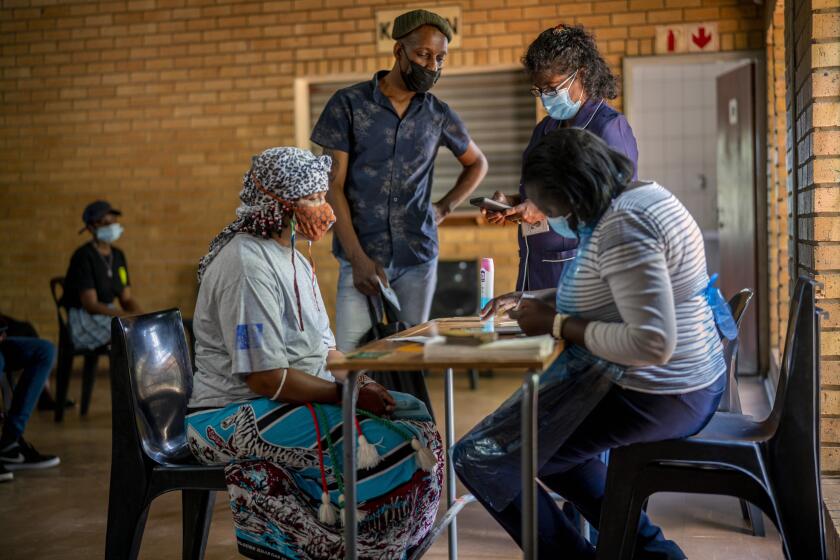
(760, 119)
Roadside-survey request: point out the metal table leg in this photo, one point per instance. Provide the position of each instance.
(529, 465)
(450, 468)
(348, 412)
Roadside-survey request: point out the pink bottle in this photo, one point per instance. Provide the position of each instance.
(486, 275)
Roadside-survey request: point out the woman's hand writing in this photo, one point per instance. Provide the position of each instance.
(500, 304)
(534, 316)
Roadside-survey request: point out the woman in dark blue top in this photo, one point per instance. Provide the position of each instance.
(574, 83)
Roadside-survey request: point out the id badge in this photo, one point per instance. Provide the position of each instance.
(535, 228)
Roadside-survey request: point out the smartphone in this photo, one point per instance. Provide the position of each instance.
(489, 204)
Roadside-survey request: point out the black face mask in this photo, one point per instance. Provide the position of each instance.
(418, 78)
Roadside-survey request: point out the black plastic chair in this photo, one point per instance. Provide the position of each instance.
(457, 295)
(730, 401)
(66, 354)
(773, 463)
(151, 382)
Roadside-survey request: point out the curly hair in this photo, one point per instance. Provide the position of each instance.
(566, 48)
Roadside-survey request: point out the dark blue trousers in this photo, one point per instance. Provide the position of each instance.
(577, 473)
(35, 356)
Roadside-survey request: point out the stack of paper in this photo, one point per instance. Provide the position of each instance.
(523, 348)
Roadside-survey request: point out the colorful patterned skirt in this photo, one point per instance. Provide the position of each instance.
(283, 472)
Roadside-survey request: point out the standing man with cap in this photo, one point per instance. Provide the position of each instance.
(98, 274)
(383, 136)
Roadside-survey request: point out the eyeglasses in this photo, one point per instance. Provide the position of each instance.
(552, 91)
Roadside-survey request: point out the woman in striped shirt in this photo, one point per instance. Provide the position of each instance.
(634, 297)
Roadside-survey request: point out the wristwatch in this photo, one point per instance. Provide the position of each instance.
(557, 328)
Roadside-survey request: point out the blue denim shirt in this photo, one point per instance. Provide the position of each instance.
(389, 176)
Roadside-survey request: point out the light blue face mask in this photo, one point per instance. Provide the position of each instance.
(560, 106)
(109, 234)
(560, 226)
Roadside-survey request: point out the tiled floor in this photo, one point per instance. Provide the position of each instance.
(60, 513)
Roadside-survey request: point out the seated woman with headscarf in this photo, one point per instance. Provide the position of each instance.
(264, 403)
(643, 359)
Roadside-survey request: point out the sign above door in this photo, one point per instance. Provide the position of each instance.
(687, 37)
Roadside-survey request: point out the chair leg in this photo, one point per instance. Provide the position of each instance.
(6, 386)
(197, 514)
(126, 522)
(619, 523)
(473, 379)
(62, 377)
(753, 514)
(88, 378)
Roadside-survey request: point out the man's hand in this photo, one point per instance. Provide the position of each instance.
(440, 212)
(534, 316)
(375, 398)
(526, 212)
(497, 218)
(366, 275)
(500, 304)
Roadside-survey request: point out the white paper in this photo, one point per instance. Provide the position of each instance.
(416, 338)
(389, 295)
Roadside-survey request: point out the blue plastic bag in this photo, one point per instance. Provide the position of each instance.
(568, 392)
(720, 309)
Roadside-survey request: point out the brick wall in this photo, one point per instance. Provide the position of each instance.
(813, 79)
(778, 211)
(157, 105)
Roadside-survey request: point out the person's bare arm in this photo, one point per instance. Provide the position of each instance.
(128, 303)
(474, 169)
(300, 388)
(332, 355)
(92, 305)
(365, 269)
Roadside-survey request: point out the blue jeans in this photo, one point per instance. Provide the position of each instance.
(36, 357)
(414, 286)
(577, 473)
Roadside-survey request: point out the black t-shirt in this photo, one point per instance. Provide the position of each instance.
(88, 270)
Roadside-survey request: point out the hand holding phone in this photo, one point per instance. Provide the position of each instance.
(489, 204)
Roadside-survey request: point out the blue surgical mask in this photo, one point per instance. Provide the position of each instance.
(560, 226)
(109, 234)
(560, 106)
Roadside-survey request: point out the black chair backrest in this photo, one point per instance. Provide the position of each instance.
(793, 448)
(151, 378)
(738, 304)
(457, 292)
(57, 291)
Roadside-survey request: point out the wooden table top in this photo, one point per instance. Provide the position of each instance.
(408, 356)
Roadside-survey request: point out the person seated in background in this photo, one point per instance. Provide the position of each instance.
(24, 329)
(634, 311)
(97, 275)
(35, 356)
(264, 404)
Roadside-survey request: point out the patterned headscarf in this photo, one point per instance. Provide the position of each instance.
(287, 173)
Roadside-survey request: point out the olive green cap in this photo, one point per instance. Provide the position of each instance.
(409, 21)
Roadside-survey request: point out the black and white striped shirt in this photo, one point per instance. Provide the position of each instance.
(639, 279)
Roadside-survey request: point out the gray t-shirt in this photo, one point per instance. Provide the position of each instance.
(247, 319)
